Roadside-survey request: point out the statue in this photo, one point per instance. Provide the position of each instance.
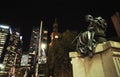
(85, 43)
(95, 33)
(97, 25)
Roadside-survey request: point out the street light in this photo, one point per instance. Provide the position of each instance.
(43, 53)
(43, 46)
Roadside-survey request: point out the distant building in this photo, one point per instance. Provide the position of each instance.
(44, 43)
(10, 48)
(44, 52)
(33, 48)
(35, 44)
(13, 51)
(4, 36)
(55, 34)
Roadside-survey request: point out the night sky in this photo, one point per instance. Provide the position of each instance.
(70, 14)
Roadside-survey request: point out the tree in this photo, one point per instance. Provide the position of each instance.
(58, 55)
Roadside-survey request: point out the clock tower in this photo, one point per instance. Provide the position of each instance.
(55, 34)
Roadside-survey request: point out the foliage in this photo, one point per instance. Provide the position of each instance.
(58, 56)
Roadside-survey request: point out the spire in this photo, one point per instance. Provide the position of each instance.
(55, 34)
(55, 26)
(55, 20)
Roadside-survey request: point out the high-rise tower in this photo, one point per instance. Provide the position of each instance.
(10, 48)
(35, 44)
(4, 36)
(13, 52)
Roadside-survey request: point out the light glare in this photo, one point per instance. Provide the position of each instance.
(5, 27)
(43, 46)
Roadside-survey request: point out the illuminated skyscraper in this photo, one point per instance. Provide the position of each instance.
(35, 44)
(33, 48)
(44, 51)
(4, 36)
(13, 51)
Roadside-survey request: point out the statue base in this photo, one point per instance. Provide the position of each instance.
(104, 63)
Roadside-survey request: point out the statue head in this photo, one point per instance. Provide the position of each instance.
(89, 18)
(101, 20)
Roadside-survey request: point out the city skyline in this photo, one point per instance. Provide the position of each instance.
(70, 15)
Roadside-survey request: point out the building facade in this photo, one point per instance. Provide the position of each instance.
(34, 47)
(13, 51)
(10, 49)
(4, 36)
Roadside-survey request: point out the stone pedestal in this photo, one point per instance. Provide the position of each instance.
(104, 63)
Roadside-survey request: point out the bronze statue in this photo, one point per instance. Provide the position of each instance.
(97, 25)
(85, 43)
(95, 33)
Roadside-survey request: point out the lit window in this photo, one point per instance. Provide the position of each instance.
(45, 31)
(43, 46)
(17, 33)
(21, 37)
(1, 47)
(2, 41)
(2, 66)
(4, 27)
(56, 36)
(35, 36)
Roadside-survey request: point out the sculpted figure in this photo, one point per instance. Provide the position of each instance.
(95, 33)
(97, 25)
